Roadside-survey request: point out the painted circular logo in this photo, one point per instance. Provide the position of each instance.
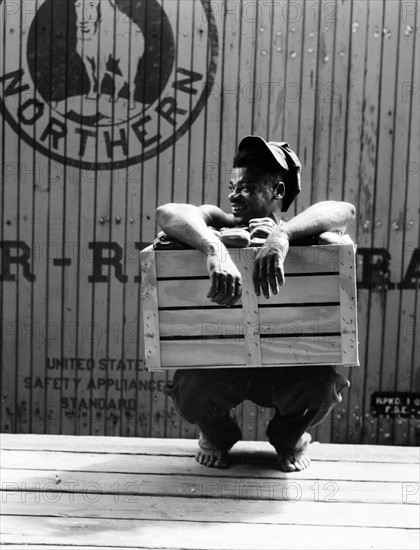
(103, 84)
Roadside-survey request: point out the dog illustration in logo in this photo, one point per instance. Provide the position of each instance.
(108, 44)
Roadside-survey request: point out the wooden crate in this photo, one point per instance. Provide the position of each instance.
(312, 321)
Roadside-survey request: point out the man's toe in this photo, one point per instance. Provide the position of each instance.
(286, 465)
(302, 463)
(220, 462)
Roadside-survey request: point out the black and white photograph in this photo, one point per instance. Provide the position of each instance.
(210, 274)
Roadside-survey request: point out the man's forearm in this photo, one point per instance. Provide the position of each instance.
(185, 223)
(319, 218)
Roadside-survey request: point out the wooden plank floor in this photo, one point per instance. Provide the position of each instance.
(101, 492)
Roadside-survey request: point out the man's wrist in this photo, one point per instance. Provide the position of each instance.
(212, 248)
(280, 236)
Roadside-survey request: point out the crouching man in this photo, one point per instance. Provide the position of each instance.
(265, 181)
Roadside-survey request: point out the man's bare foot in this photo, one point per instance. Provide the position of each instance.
(296, 460)
(209, 455)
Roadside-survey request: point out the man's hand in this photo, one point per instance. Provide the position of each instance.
(261, 227)
(226, 284)
(269, 264)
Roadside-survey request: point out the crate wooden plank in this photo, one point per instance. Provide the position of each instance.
(348, 307)
(192, 293)
(178, 323)
(191, 353)
(251, 318)
(300, 259)
(150, 309)
(301, 350)
(289, 351)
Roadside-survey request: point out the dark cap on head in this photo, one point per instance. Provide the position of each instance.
(285, 158)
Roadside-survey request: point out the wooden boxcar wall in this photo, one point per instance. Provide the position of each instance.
(110, 109)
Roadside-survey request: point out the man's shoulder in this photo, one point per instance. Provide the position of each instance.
(215, 216)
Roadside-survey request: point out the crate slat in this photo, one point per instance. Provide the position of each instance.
(250, 314)
(221, 321)
(287, 351)
(150, 309)
(297, 290)
(300, 259)
(348, 306)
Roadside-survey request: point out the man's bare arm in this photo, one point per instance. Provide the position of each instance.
(190, 225)
(320, 218)
(323, 217)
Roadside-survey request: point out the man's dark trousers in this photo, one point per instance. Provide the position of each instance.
(302, 397)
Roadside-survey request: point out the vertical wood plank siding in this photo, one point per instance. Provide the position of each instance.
(82, 175)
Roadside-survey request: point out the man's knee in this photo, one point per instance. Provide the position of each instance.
(197, 395)
(327, 387)
(306, 388)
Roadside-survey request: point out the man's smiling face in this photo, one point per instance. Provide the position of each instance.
(250, 196)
